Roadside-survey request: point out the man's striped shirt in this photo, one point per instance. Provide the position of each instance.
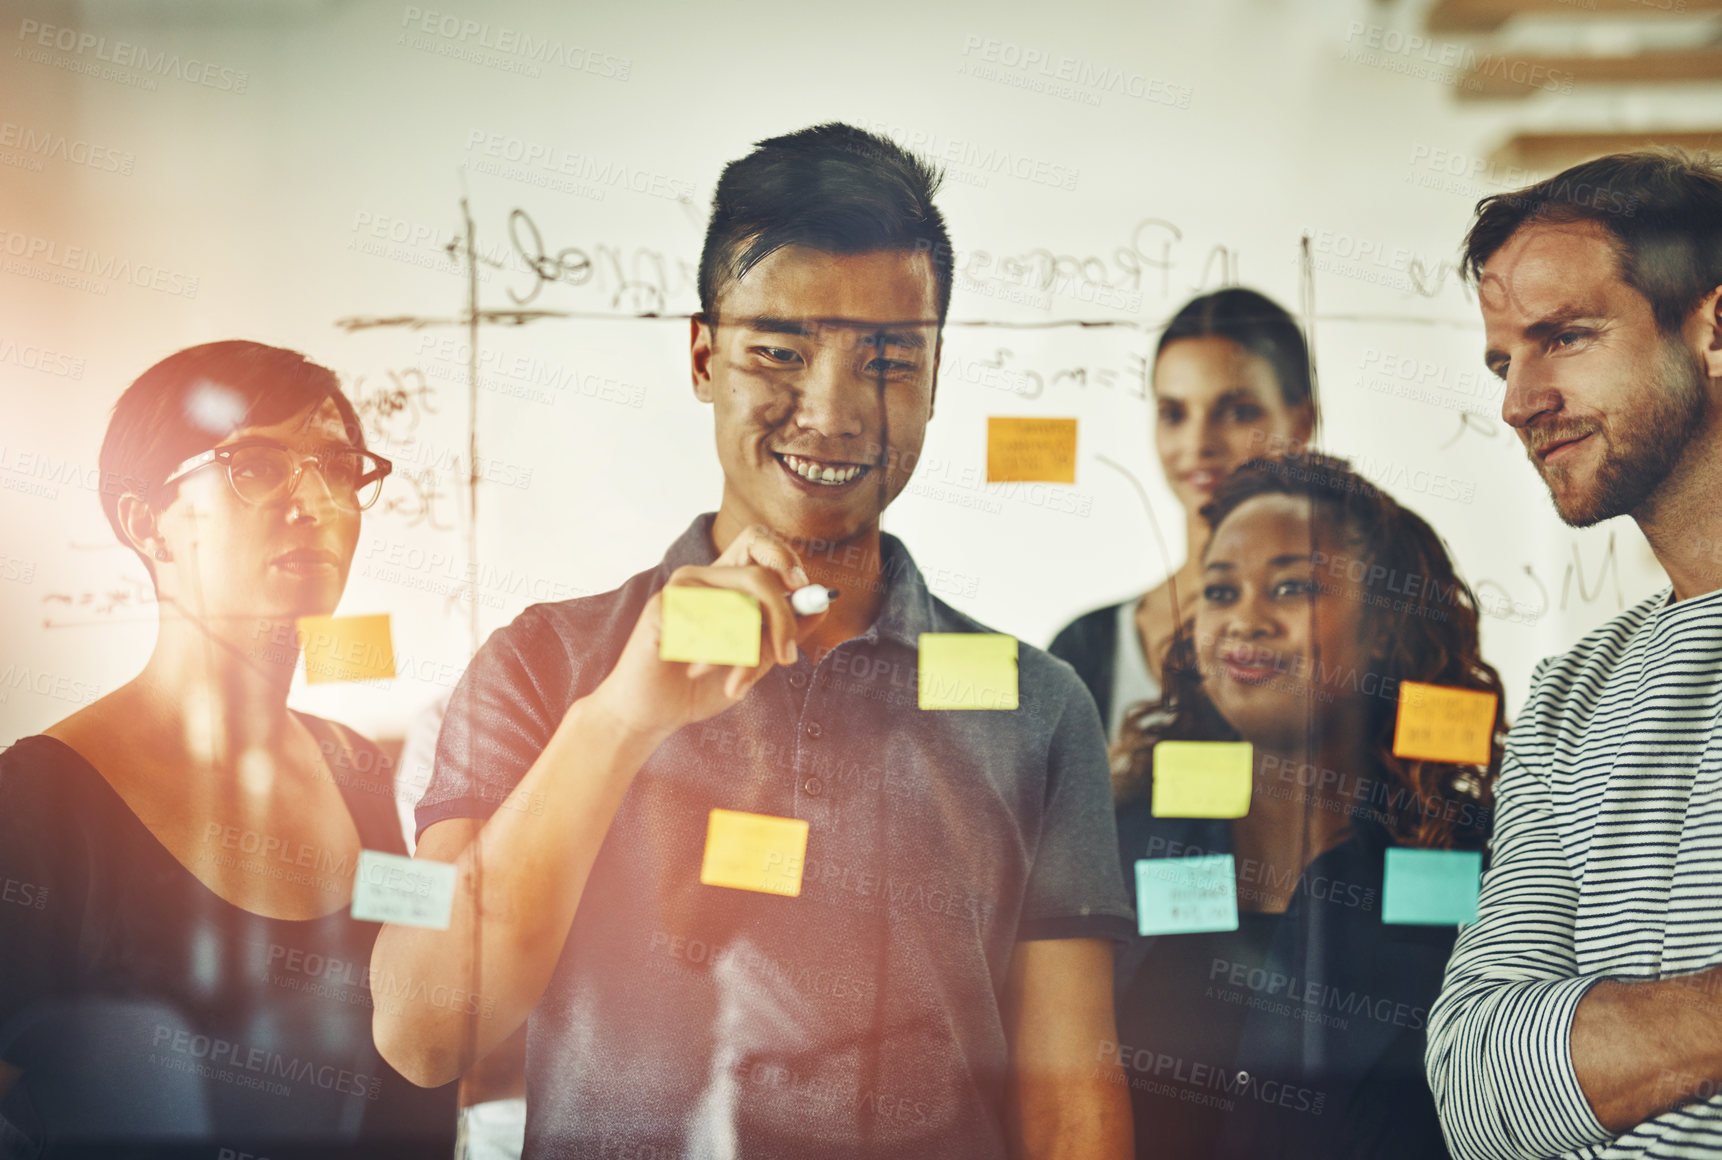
(1606, 863)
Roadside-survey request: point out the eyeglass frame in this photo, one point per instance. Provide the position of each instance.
(223, 455)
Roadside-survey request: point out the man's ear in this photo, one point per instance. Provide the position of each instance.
(1710, 333)
(1303, 426)
(141, 527)
(702, 344)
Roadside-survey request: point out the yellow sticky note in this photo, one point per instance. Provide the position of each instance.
(347, 648)
(967, 670)
(754, 852)
(1202, 779)
(1031, 450)
(1441, 723)
(718, 626)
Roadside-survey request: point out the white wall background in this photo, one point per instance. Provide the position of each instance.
(329, 185)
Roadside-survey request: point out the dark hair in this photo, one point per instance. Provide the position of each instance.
(1662, 208)
(1432, 639)
(1255, 322)
(193, 399)
(831, 187)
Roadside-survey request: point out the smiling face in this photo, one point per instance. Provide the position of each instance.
(234, 562)
(1218, 406)
(807, 347)
(1263, 623)
(1604, 403)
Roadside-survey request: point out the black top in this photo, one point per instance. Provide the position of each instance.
(1327, 1059)
(1321, 1043)
(1089, 644)
(861, 1017)
(1176, 1044)
(150, 1017)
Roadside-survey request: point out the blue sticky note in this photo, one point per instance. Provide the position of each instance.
(1186, 895)
(405, 891)
(1431, 887)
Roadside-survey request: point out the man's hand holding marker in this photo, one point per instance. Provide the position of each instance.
(654, 697)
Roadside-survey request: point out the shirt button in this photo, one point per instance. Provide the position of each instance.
(797, 680)
(815, 730)
(813, 786)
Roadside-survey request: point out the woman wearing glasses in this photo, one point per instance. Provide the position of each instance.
(185, 978)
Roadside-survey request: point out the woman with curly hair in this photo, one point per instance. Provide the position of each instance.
(1301, 1033)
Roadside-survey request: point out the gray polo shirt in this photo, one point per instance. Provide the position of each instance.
(861, 1018)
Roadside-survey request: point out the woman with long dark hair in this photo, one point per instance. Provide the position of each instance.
(188, 979)
(1301, 1033)
(1231, 382)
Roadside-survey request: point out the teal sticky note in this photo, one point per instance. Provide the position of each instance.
(390, 888)
(1431, 887)
(1186, 895)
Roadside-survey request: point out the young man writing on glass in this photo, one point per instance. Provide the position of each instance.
(941, 985)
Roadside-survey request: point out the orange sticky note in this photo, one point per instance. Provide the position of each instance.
(1441, 723)
(347, 648)
(966, 670)
(1202, 779)
(754, 852)
(1031, 450)
(718, 626)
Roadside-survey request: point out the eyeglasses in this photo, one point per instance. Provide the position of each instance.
(261, 472)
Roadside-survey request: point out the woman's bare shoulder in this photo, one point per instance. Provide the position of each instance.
(107, 727)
